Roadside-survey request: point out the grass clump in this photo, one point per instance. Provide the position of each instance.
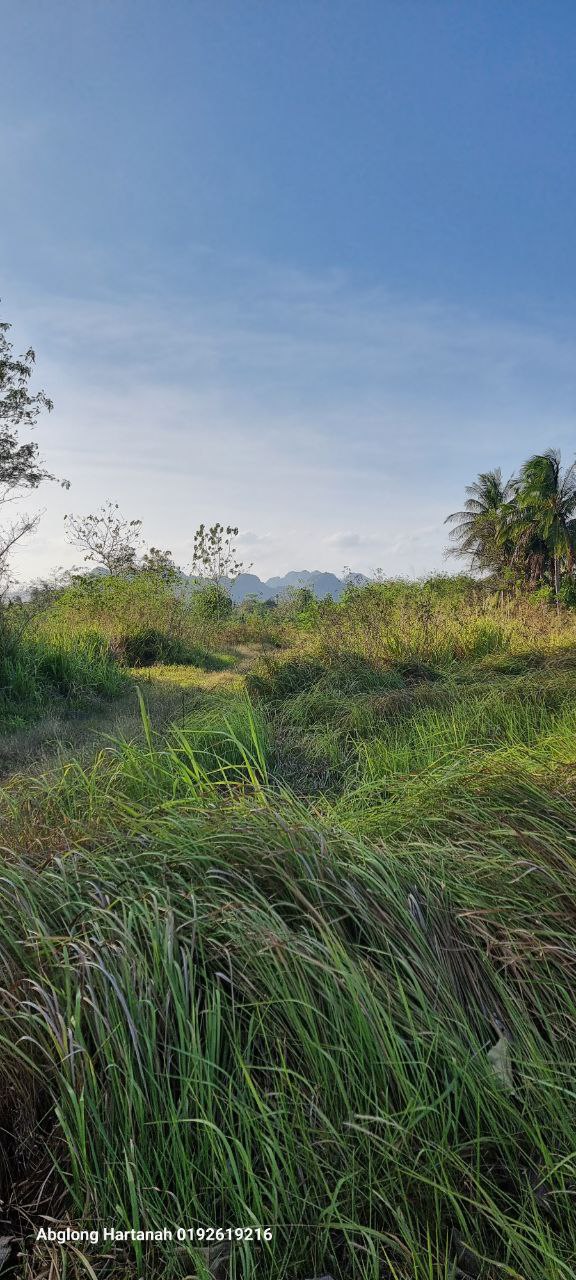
(289, 676)
(37, 675)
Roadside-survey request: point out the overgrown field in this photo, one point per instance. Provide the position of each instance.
(306, 959)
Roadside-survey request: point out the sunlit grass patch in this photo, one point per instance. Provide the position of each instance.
(220, 670)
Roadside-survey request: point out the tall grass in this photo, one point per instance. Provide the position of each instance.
(347, 1014)
(36, 673)
(415, 624)
(229, 1011)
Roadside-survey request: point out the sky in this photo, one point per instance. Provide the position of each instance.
(302, 266)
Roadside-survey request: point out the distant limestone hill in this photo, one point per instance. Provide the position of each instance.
(322, 584)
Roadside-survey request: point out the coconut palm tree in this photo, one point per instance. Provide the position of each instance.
(546, 509)
(481, 532)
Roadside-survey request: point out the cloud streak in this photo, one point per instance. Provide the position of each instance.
(347, 540)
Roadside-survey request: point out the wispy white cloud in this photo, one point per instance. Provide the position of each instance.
(347, 539)
(247, 538)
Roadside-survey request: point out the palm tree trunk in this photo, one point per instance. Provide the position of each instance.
(556, 581)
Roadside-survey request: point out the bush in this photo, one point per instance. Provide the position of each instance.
(114, 606)
(211, 603)
(146, 647)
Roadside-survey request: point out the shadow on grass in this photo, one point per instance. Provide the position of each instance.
(562, 658)
(350, 674)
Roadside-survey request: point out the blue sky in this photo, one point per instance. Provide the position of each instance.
(302, 265)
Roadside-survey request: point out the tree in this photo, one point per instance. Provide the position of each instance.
(21, 468)
(546, 524)
(215, 556)
(524, 530)
(161, 563)
(482, 532)
(215, 562)
(106, 538)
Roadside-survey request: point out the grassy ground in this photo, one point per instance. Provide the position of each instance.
(65, 726)
(298, 951)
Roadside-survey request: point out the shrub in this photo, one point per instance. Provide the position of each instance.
(211, 603)
(147, 646)
(115, 606)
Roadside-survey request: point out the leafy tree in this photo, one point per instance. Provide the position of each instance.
(161, 563)
(215, 555)
(21, 468)
(482, 531)
(546, 520)
(106, 538)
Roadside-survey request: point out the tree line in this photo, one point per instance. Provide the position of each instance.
(522, 531)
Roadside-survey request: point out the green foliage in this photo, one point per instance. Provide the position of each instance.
(211, 602)
(523, 531)
(118, 605)
(300, 606)
(36, 673)
(481, 531)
